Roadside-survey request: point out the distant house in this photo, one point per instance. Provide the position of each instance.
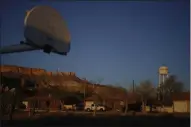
(181, 102)
(40, 102)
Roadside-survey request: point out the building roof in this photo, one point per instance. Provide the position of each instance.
(181, 96)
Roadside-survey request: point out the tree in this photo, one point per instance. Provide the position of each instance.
(7, 101)
(84, 88)
(100, 80)
(171, 85)
(146, 91)
(122, 89)
(41, 83)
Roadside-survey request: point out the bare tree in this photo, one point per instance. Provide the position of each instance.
(171, 85)
(8, 102)
(100, 80)
(42, 81)
(146, 91)
(84, 89)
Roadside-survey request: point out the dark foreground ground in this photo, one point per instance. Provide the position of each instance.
(67, 120)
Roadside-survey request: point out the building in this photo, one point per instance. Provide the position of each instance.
(42, 102)
(181, 102)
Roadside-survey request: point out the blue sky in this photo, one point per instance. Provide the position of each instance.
(116, 41)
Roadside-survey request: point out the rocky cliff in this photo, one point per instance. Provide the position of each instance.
(66, 80)
(31, 71)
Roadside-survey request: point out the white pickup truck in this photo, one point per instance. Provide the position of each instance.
(92, 107)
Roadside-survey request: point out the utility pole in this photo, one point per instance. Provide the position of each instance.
(133, 86)
(84, 91)
(126, 101)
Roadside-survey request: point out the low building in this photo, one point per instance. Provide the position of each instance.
(181, 102)
(41, 102)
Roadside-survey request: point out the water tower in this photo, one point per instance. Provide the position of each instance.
(163, 74)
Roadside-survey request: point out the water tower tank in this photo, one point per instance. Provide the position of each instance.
(163, 70)
(163, 74)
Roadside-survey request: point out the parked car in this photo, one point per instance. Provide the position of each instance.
(92, 107)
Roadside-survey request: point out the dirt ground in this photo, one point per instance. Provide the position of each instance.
(101, 119)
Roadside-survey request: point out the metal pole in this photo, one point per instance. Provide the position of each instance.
(133, 86)
(159, 80)
(126, 100)
(84, 91)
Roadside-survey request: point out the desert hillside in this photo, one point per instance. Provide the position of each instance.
(64, 80)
